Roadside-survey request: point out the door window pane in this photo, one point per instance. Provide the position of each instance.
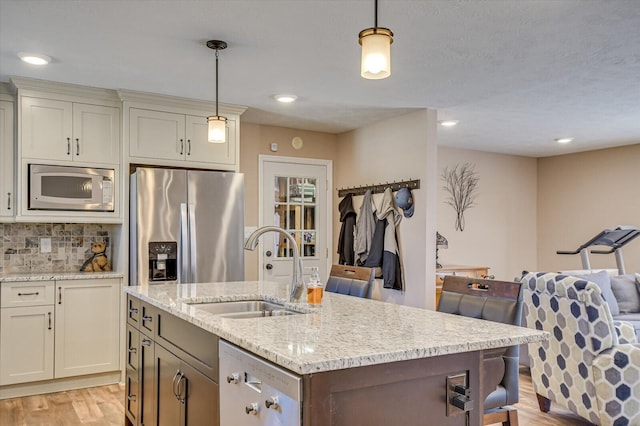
(295, 212)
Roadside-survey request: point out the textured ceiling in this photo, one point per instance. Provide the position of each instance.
(515, 73)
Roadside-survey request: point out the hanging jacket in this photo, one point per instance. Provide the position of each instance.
(392, 270)
(345, 241)
(365, 227)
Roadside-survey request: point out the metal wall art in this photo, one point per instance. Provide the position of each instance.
(461, 182)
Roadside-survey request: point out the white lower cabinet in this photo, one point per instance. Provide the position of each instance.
(26, 353)
(87, 327)
(58, 329)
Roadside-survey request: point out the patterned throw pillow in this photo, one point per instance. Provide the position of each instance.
(602, 280)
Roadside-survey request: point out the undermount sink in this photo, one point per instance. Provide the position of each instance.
(245, 309)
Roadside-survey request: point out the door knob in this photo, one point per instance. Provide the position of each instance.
(269, 266)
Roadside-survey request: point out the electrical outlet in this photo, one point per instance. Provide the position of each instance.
(45, 245)
(457, 388)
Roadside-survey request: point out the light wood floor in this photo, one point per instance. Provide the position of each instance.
(99, 406)
(103, 406)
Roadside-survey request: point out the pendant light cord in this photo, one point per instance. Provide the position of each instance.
(217, 115)
(375, 12)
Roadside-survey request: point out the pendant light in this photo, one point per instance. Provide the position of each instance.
(376, 50)
(217, 124)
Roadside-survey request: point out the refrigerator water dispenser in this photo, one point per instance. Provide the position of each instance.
(163, 262)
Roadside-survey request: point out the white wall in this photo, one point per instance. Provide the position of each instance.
(582, 194)
(399, 148)
(500, 230)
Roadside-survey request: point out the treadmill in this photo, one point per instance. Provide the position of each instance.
(613, 238)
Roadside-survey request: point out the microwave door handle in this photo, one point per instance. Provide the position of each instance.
(192, 240)
(183, 243)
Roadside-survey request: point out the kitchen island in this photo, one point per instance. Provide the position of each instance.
(361, 361)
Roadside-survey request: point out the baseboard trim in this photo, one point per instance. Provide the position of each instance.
(59, 385)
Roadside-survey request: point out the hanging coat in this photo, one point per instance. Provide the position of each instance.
(345, 241)
(365, 227)
(392, 270)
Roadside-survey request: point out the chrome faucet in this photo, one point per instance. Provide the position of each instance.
(296, 283)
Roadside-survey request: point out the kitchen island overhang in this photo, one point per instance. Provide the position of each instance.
(345, 332)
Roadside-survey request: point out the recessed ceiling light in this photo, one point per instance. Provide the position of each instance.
(34, 58)
(285, 99)
(564, 140)
(448, 123)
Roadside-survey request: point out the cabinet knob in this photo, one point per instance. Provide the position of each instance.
(8, 201)
(181, 146)
(133, 350)
(146, 342)
(133, 311)
(272, 403)
(146, 318)
(77, 146)
(233, 378)
(68, 146)
(252, 408)
(131, 397)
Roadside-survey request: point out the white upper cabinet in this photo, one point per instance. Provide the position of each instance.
(156, 134)
(7, 160)
(171, 131)
(69, 131)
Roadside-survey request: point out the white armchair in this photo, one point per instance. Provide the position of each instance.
(590, 365)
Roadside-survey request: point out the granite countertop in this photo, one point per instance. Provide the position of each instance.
(48, 276)
(345, 332)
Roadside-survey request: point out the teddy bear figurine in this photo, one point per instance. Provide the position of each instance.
(98, 262)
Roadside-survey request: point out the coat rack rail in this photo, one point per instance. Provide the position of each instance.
(379, 188)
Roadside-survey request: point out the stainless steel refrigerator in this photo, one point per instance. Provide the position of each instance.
(186, 226)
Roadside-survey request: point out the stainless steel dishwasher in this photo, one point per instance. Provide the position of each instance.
(256, 392)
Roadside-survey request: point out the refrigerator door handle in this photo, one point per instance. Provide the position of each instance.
(192, 241)
(183, 251)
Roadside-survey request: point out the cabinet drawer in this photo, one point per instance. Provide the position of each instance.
(133, 311)
(148, 319)
(32, 293)
(191, 343)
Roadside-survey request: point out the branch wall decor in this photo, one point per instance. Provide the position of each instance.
(461, 182)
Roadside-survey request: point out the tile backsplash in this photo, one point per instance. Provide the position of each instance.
(70, 246)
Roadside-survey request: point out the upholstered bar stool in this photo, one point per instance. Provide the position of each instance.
(351, 280)
(498, 301)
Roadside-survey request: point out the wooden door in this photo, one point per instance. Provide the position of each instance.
(294, 197)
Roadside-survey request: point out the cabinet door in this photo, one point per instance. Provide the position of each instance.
(46, 129)
(87, 328)
(200, 393)
(147, 381)
(7, 189)
(155, 134)
(200, 150)
(96, 134)
(169, 410)
(26, 344)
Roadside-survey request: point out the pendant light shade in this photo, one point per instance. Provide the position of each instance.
(217, 129)
(376, 50)
(217, 124)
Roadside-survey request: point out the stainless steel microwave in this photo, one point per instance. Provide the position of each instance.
(71, 188)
